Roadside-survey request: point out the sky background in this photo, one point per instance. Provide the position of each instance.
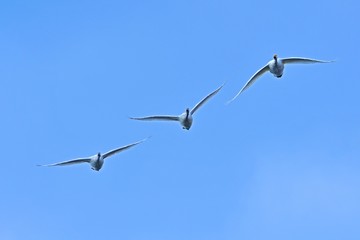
(280, 162)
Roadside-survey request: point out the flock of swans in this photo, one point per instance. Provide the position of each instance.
(275, 66)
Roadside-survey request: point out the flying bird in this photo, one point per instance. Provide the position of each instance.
(276, 67)
(185, 118)
(95, 161)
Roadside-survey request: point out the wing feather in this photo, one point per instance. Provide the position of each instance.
(114, 151)
(291, 60)
(70, 162)
(251, 81)
(157, 118)
(199, 104)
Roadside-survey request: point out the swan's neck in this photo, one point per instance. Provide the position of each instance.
(187, 113)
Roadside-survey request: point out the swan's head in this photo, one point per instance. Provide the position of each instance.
(275, 57)
(188, 120)
(99, 155)
(187, 128)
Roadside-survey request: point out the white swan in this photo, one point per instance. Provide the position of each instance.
(276, 67)
(95, 161)
(185, 118)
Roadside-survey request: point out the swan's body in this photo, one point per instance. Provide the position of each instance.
(186, 118)
(276, 67)
(96, 162)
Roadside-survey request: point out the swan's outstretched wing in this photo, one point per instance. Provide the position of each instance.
(70, 162)
(302, 60)
(251, 81)
(157, 118)
(199, 104)
(114, 151)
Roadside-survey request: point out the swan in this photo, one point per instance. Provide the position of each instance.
(96, 161)
(186, 118)
(276, 67)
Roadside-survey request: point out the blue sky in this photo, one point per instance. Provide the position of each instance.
(280, 162)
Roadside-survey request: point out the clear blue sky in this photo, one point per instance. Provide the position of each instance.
(280, 162)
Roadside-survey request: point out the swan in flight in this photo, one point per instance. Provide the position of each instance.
(276, 67)
(95, 161)
(185, 118)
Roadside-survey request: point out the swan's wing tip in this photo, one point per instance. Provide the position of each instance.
(44, 165)
(236, 96)
(145, 139)
(326, 61)
(230, 101)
